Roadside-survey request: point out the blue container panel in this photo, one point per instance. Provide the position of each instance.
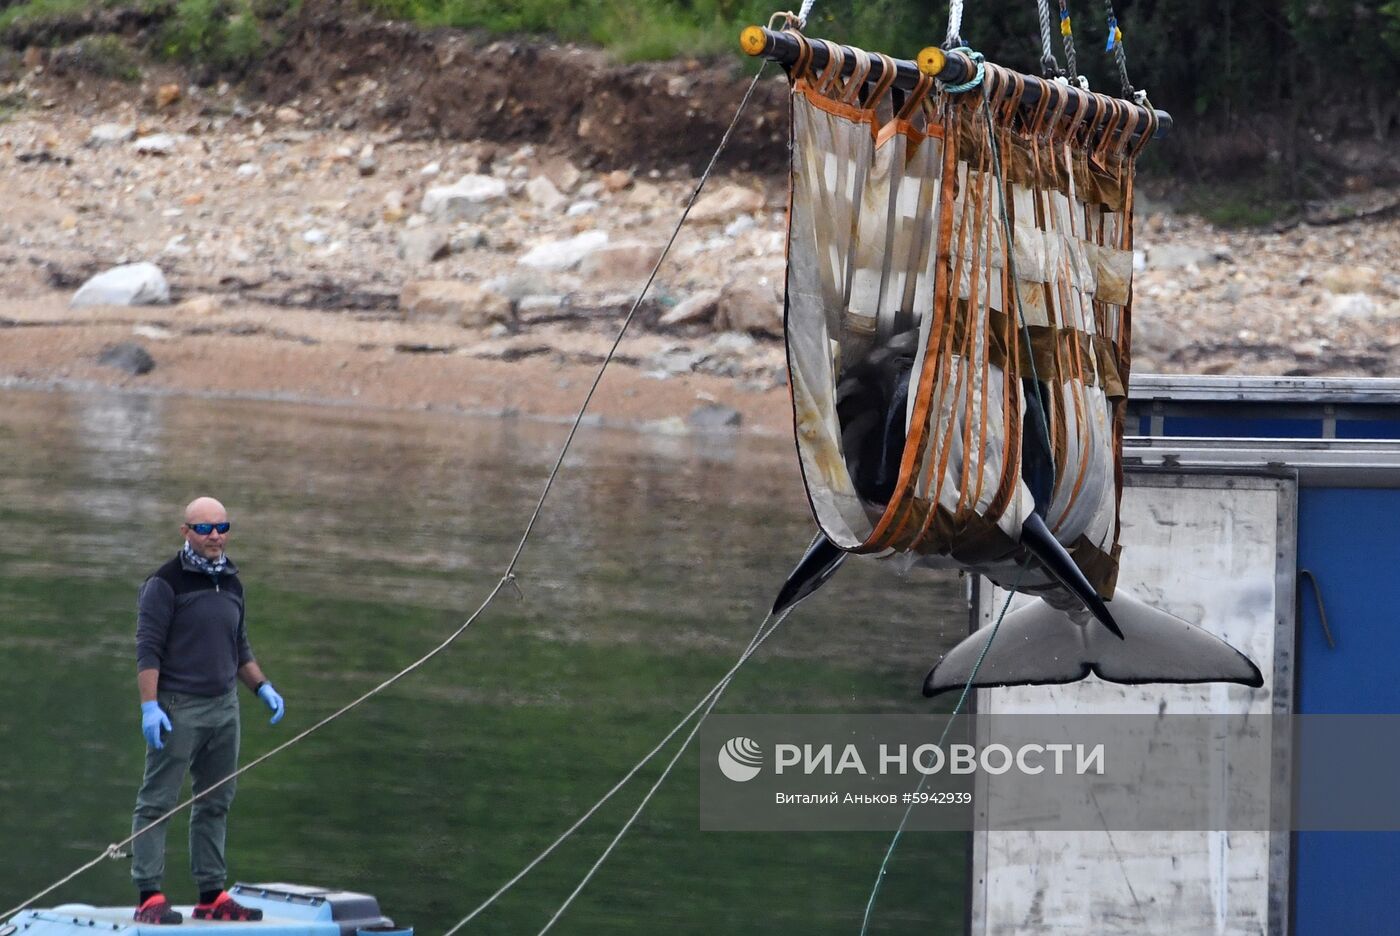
(1344, 882)
(1241, 427)
(1368, 429)
(1347, 537)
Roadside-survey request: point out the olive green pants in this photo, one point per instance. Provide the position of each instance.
(202, 742)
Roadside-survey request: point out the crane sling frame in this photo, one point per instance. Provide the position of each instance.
(1000, 231)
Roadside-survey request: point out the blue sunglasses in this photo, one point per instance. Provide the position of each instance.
(204, 529)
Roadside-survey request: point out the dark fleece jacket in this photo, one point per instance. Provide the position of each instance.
(189, 625)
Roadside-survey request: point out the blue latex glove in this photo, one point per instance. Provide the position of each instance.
(152, 721)
(273, 701)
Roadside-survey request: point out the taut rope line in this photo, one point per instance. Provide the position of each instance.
(507, 577)
(711, 698)
(966, 690)
(955, 16)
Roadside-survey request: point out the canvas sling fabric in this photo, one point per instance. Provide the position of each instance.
(896, 224)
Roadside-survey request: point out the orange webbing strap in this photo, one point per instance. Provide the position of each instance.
(1007, 285)
(961, 318)
(961, 327)
(1012, 420)
(898, 513)
(965, 339)
(1124, 362)
(1061, 315)
(976, 200)
(850, 92)
(800, 70)
(933, 376)
(885, 81)
(830, 75)
(1147, 134)
(916, 97)
(1054, 98)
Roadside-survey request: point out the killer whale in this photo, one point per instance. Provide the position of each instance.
(1053, 640)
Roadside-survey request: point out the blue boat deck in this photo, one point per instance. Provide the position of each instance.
(288, 910)
(68, 918)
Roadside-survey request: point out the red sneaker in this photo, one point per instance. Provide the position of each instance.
(157, 911)
(227, 909)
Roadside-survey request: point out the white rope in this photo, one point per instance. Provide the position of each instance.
(955, 13)
(714, 698)
(803, 13)
(507, 577)
(966, 690)
(1049, 65)
(711, 697)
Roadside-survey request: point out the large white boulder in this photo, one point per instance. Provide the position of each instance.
(467, 199)
(564, 254)
(131, 284)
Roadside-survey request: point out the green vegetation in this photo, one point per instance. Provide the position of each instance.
(39, 12)
(223, 34)
(10, 103)
(104, 57)
(228, 35)
(1237, 206)
(632, 31)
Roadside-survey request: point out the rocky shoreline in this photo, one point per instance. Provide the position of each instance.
(330, 262)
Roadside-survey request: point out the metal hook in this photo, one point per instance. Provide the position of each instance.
(1321, 609)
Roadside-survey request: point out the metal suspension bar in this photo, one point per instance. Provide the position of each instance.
(948, 66)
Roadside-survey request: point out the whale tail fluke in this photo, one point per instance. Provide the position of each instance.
(1039, 645)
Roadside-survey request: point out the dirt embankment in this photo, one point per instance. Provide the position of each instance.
(310, 254)
(350, 69)
(468, 87)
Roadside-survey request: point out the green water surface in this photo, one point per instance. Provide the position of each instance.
(364, 539)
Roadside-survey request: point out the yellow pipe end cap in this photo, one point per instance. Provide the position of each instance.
(752, 41)
(931, 60)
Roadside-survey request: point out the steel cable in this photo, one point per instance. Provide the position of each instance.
(1115, 45)
(1067, 34)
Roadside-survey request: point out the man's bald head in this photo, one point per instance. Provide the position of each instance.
(205, 510)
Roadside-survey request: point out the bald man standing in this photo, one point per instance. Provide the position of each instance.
(191, 651)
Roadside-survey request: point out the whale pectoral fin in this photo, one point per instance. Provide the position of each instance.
(1035, 645)
(818, 564)
(1041, 543)
(1161, 647)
